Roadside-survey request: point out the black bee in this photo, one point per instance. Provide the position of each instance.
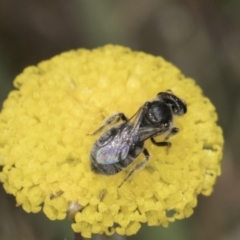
(121, 144)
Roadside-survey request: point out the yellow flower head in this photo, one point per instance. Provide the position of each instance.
(45, 146)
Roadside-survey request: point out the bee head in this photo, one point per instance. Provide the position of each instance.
(177, 105)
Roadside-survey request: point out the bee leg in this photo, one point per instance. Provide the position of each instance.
(114, 118)
(138, 166)
(161, 144)
(172, 132)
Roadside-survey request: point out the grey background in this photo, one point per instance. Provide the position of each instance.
(201, 37)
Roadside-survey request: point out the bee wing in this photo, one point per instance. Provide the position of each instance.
(136, 119)
(114, 145)
(112, 153)
(147, 132)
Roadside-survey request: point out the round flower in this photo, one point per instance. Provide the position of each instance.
(45, 143)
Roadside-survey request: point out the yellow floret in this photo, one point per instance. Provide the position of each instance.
(44, 146)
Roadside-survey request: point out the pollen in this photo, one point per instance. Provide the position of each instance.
(45, 143)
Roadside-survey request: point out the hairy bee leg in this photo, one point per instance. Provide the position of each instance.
(172, 132)
(138, 166)
(114, 118)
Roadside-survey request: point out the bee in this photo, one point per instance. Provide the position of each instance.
(122, 143)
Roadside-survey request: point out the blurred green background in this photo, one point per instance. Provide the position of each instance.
(201, 37)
